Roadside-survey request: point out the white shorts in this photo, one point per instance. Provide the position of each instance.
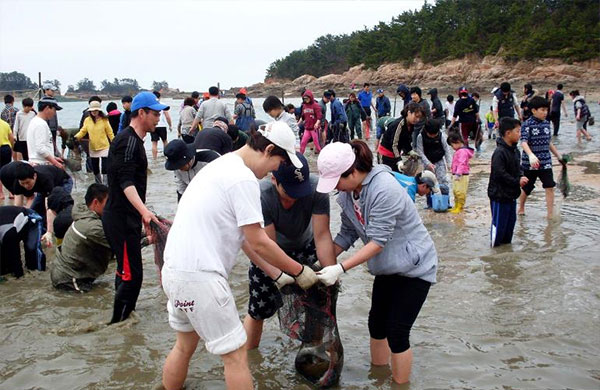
(203, 302)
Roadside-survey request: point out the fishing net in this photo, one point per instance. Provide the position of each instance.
(563, 182)
(160, 232)
(411, 164)
(309, 316)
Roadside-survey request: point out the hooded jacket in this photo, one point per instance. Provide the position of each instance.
(404, 89)
(85, 252)
(460, 161)
(504, 185)
(390, 220)
(437, 104)
(311, 111)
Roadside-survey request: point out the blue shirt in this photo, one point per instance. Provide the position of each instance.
(383, 106)
(409, 183)
(338, 114)
(537, 134)
(365, 98)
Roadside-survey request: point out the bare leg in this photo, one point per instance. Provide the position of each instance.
(380, 352)
(522, 200)
(154, 149)
(550, 201)
(401, 366)
(578, 135)
(237, 372)
(254, 330)
(178, 361)
(587, 135)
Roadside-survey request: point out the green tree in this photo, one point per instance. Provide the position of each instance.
(85, 85)
(15, 81)
(158, 85)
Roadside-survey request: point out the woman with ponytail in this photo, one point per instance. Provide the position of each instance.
(397, 248)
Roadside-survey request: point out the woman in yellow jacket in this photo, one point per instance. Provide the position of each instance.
(101, 134)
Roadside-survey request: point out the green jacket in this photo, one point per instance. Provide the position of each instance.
(85, 252)
(353, 111)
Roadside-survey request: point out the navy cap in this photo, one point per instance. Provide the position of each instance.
(147, 100)
(50, 102)
(178, 153)
(295, 181)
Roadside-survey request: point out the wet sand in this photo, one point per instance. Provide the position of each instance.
(522, 316)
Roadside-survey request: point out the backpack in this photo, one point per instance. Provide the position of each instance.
(244, 121)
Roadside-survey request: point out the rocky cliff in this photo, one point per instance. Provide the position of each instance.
(476, 73)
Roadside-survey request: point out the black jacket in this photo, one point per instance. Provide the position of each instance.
(506, 173)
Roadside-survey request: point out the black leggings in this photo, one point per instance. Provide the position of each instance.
(123, 233)
(96, 165)
(395, 305)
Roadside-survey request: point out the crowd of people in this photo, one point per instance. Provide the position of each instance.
(245, 184)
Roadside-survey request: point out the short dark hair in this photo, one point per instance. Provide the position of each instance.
(450, 98)
(189, 101)
(432, 126)
(27, 102)
(290, 107)
(475, 94)
(559, 86)
(157, 94)
(213, 91)
(454, 138)
(364, 158)
(24, 171)
(95, 98)
(111, 106)
(258, 142)
(327, 94)
(240, 96)
(574, 93)
(505, 87)
(366, 85)
(507, 124)
(538, 102)
(195, 95)
(95, 191)
(9, 99)
(412, 107)
(416, 90)
(126, 99)
(528, 87)
(272, 103)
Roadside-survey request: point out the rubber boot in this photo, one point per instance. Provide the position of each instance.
(105, 179)
(458, 206)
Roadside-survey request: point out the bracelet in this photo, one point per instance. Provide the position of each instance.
(343, 269)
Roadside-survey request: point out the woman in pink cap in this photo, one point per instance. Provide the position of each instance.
(397, 247)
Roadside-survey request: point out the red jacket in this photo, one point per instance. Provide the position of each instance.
(311, 112)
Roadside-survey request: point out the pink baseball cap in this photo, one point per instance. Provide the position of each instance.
(335, 159)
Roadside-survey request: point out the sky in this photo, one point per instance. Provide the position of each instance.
(190, 44)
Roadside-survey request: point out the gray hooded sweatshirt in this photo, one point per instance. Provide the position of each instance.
(391, 220)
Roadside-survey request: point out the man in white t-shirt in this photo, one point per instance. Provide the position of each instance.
(39, 138)
(219, 213)
(449, 109)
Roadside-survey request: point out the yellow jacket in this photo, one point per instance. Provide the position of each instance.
(100, 133)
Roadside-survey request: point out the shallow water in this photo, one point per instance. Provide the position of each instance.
(522, 316)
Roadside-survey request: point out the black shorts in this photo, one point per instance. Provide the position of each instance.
(545, 176)
(159, 132)
(265, 299)
(368, 111)
(395, 304)
(21, 147)
(5, 155)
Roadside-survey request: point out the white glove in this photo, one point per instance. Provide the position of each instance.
(306, 278)
(534, 162)
(48, 239)
(330, 274)
(283, 279)
(400, 165)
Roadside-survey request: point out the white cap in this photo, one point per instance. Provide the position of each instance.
(282, 135)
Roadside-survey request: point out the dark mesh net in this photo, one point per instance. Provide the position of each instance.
(309, 316)
(160, 231)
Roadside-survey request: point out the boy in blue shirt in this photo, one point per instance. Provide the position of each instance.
(536, 161)
(366, 101)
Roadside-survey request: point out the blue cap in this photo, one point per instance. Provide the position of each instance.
(147, 100)
(380, 90)
(295, 181)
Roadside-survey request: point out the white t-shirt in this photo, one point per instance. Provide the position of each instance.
(22, 123)
(206, 234)
(450, 107)
(162, 122)
(39, 141)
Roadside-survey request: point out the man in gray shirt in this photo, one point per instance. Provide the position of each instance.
(211, 109)
(296, 216)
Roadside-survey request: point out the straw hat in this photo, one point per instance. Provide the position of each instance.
(95, 106)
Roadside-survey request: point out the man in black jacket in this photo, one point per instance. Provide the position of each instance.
(506, 180)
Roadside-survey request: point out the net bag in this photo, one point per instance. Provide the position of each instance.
(309, 316)
(563, 182)
(160, 232)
